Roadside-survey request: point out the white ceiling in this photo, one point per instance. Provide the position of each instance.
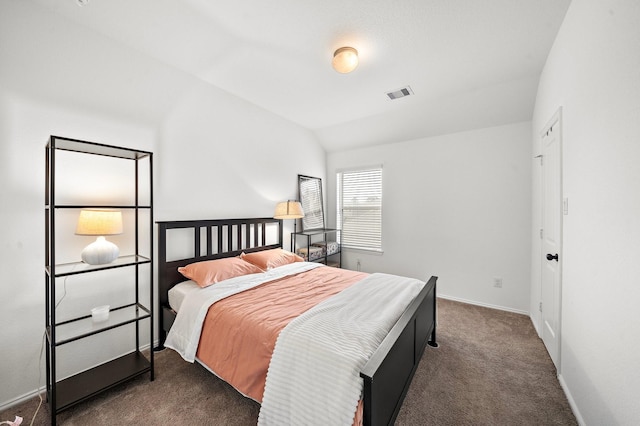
(471, 63)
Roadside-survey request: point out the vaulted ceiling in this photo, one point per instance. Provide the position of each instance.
(470, 63)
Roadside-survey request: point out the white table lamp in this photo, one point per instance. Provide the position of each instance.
(100, 223)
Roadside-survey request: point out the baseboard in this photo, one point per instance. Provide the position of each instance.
(572, 402)
(485, 305)
(535, 326)
(7, 405)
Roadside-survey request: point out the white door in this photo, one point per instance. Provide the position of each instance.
(551, 253)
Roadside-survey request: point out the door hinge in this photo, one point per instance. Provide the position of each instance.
(540, 306)
(540, 157)
(541, 233)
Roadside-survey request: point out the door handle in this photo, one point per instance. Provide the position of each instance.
(552, 256)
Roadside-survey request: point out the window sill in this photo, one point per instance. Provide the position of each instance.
(363, 250)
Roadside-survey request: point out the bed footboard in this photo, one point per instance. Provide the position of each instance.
(388, 373)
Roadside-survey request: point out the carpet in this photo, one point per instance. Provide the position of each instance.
(490, 369)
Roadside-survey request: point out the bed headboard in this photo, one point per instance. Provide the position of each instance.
(212, 239)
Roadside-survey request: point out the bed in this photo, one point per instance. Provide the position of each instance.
(387, 373)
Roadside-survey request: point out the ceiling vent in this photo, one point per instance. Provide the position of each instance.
(400, 93)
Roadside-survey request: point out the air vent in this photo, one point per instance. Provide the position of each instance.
(400, 93)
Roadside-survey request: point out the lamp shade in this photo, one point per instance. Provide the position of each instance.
(345, 60)
(99, 222)
(289, 210)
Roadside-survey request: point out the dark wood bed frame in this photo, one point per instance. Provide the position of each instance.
(388, 373)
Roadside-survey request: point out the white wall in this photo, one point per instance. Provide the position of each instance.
(215, 156)
(457, 206)
(222, 157)
(593, 72)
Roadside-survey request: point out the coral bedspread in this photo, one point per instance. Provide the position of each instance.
(239, 332)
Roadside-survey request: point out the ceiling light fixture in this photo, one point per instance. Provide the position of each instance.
(400, 93)
(345, 59)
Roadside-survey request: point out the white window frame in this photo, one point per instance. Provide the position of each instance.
(368, 241)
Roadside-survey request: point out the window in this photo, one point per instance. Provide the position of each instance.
(359, 214)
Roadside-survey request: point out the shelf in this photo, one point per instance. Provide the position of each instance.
(66, 269)
(80, 328)
(325, 257)
(75, 145)
(86, 206)
(87, 384)
(319, 231)
(130, 312)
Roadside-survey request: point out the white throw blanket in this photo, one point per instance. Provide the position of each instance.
(314, 374)
(186, 329)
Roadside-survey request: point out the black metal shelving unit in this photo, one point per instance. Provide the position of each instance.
(65, 393)
(323, 236)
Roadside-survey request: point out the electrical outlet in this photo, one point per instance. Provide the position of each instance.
(497, 282)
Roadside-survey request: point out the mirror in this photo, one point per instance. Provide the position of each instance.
(310, 192)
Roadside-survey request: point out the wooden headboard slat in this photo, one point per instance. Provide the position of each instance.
(209, 242)
(196, 241)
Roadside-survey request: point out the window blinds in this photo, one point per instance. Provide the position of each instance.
(359, 212)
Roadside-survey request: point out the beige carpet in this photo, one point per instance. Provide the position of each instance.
(490, 369)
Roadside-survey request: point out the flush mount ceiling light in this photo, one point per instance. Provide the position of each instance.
(345, 59)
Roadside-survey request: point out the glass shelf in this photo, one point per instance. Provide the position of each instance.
(316, 231)
(68, 144)
(66, 269)
(88, 206)
(79, 328)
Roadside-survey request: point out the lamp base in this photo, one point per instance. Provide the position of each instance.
(100, 252)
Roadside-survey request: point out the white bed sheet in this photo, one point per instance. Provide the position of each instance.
(178, 292)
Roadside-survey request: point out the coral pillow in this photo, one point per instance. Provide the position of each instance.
(269, 259)
(212, 271)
